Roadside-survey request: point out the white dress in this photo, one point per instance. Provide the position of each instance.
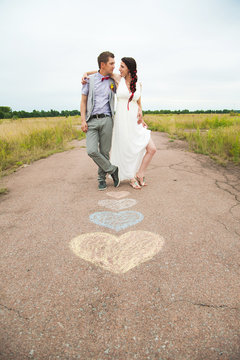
(129, 139)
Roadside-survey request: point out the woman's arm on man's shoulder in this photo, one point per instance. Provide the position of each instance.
(86, 76)
(116, 78)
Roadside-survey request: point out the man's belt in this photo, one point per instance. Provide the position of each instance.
(99, 116)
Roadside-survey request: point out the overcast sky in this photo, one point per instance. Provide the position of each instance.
(187, 51)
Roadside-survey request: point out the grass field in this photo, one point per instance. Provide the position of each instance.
(25, 140)
(215, 135)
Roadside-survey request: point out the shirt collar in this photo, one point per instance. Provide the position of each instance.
(100, 75)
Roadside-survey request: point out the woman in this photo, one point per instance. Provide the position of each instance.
(132, 146)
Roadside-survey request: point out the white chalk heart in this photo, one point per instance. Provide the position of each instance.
(117, 254)
(118, 194)
(117, 204)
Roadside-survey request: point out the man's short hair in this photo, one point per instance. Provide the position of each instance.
(103, 57)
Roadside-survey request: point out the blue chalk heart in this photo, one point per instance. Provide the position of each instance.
(116, 220)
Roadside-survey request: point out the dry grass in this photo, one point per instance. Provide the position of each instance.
(26, 140)
(210, 134)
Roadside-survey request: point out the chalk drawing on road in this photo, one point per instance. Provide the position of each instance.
(116, 220)
(117, 254)
(118, 194)
(117, 204)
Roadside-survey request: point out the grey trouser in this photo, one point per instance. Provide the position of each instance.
(99, 139)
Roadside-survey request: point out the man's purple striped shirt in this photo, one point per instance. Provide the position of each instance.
(101, 90)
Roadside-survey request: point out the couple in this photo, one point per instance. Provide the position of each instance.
(128, 138)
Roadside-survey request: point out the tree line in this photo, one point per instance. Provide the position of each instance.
(7, 113)
(224, 111)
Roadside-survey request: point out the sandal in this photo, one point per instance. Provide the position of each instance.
(141, 181)
(135, 184)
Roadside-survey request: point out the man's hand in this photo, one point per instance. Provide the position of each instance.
(84, 126)
(84, 78)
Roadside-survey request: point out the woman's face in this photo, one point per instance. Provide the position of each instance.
(123, 69)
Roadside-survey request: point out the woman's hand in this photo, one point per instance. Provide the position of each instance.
(84, 78)
(140, 118)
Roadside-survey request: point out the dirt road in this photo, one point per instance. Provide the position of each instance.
(121, 274)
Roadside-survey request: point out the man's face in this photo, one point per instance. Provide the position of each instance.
(109, 66)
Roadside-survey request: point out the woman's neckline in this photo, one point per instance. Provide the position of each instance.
(127, 86)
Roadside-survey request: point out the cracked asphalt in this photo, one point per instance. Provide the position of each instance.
(181, 304)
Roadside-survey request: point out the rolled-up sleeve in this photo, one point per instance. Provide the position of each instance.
(85, 88)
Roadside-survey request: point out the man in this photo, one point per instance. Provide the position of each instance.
(97, 107)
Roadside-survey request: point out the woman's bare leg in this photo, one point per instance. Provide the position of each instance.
(150, 151)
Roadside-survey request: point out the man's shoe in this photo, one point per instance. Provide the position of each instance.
(102, 185)
(115, 178)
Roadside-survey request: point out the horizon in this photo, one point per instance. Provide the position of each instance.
(144, 110)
